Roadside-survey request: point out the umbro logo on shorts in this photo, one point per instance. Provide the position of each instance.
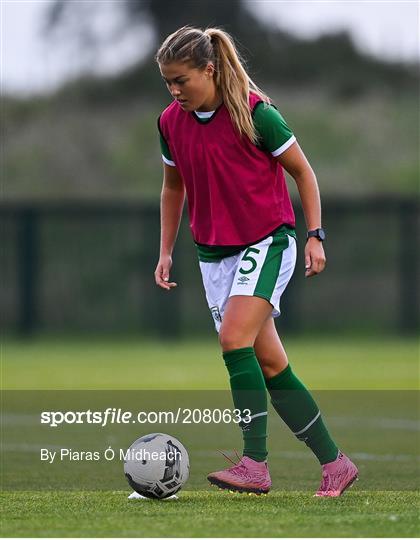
(242, 280)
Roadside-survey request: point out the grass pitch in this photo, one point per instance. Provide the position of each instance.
(205, 514)
(380, 432)
(323, 364)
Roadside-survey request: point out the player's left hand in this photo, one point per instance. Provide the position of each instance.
(314, 257)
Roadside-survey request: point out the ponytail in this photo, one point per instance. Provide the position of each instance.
(234, 82)
(214, 45)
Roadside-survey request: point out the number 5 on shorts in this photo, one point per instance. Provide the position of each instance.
(247, 257)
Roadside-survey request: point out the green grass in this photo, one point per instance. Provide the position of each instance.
(379, 429)
(336, 363)
(208, 514)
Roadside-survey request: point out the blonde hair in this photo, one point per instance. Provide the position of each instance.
(199, 47)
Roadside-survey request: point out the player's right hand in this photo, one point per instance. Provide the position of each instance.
(162, 273)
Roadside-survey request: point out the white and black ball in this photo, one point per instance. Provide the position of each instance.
(156, 465)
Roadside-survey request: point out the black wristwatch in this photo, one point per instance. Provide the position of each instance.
(316, 233)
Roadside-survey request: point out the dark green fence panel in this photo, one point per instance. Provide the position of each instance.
(88, 267)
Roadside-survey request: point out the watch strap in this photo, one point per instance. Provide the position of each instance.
(316, 233)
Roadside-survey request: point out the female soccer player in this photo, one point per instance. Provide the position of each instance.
(224, 146)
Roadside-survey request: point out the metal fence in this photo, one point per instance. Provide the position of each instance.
(88, 266)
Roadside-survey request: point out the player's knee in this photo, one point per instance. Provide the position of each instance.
(271, 365)
(229, 341)
(270, 371)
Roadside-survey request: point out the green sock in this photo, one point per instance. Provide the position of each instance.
(249, 392)
(298, 410)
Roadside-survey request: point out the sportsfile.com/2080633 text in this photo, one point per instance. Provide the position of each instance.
(113, 415)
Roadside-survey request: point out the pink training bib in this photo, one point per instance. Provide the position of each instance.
(236, 192)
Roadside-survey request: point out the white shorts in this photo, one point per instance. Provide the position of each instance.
(263, 269)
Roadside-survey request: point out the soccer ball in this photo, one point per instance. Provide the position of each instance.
(156, 466)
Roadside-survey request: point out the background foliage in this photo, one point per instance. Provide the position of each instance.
(353, 115)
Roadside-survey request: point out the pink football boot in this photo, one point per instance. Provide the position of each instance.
(337, 476)
(246, 476)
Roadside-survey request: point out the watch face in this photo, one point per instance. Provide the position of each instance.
(321, 234)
